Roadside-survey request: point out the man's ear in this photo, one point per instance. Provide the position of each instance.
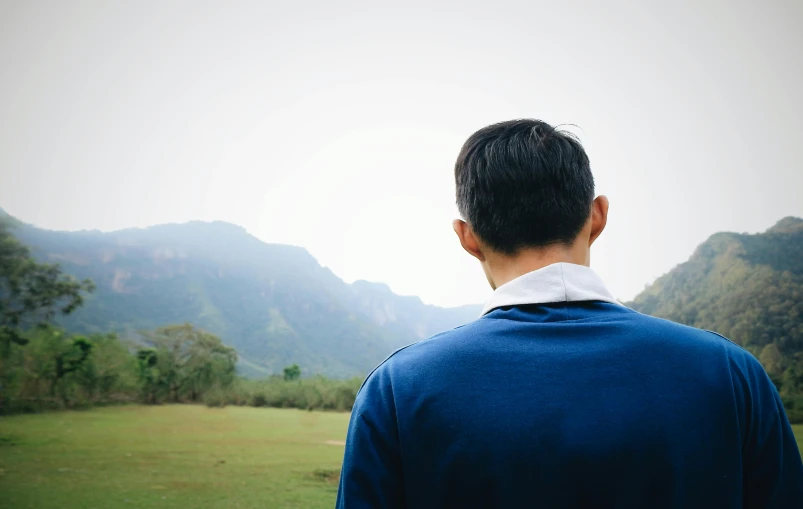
(599, 217)
(468, 239)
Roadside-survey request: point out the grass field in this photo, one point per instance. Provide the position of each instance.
(178, 456)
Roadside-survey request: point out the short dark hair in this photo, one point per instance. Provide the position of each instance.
(524, 183)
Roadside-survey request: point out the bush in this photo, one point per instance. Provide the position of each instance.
(258, 400)
(794, 408)
(316, 393)
(215, 399)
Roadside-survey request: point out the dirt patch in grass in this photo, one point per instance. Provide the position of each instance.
(327, 475)
(335, 442)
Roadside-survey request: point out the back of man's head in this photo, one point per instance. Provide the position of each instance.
(524, 184)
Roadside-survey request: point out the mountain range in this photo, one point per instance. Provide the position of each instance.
(274, 303)
(278, 306)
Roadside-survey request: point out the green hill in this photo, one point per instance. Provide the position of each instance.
(274, 303)
(746, 287)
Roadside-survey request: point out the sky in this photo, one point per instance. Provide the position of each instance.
(335, 125)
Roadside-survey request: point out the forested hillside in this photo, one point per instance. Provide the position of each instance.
(273, 303)
(746, 287)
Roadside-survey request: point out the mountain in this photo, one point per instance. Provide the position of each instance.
(746, 287)
(274, 303)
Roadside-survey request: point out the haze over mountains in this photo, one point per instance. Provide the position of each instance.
(274, 303)
(277, 306)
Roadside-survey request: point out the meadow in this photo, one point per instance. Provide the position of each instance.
(174, 456)
(171, 456)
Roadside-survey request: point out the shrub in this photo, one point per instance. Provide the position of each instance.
(215, 399)
(794, 408)
(259, 399)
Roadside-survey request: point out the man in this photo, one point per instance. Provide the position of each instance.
(559, 396)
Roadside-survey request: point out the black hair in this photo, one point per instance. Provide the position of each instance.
(524, 183)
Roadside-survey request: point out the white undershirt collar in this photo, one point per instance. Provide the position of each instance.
(559, 282)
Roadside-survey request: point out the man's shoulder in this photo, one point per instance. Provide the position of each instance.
(699, 342)
(680, 332)
(432, 348)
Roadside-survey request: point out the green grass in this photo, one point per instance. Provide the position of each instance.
(798, 429)
(179, 456)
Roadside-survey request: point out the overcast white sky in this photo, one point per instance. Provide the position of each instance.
(335, 125)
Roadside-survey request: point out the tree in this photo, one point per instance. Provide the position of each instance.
(31, 293)
(69, 359)
(153, 387)
(50, 365)
(182, 362)
(771, 359)
(110, 372)
(292, 372)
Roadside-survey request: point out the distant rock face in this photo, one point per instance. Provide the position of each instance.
(119, 279)
(274, 303)
(746, 287)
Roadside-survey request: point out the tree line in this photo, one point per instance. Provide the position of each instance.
(44, 367)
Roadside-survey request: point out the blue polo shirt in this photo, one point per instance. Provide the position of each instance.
(560, 397)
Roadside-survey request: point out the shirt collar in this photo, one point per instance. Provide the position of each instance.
(559, 282)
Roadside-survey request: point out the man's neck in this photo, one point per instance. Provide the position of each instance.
(505, 268)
